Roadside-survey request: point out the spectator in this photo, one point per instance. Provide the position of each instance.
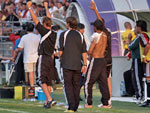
(39, 12)
(2, 16)
(6, 9)
(128, 30)
(60, 10)
(29, 43)
(13, 7)
(34, 7)
(1, 2)
(19, 9)
(19, 67)
(53, 9)
(13, 37)
(24, 10)
(5, 2)
(12, 17)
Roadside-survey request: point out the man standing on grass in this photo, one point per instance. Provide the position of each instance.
(29, 43)
(97, 68)
(72, 51)
(102, 36)
(137, 67)
(108, 53)
(145, 56)
(45, 52)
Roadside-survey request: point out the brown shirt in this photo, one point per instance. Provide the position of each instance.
(98, 45)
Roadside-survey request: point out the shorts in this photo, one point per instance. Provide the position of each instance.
(109, 71)
(147, 69)
(44, 70)
(30, 67)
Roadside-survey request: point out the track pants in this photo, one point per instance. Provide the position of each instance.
(97, 72)
(19, 72)
(72, 87)
(137, 75)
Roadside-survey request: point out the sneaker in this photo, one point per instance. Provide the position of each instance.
(88, 106)
(54, 102)
(145, 104)
(69, 111)
(31, 91)
(48, 105)
(105, 106)
(100, 105)
(139, 100)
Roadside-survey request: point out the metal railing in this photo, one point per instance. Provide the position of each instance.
(6, 46)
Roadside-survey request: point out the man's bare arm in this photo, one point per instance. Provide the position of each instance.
(146, 50)
(47, 10)
(84, 55)
(16, 52)
(84, 68)
(94, 8)
(92, 46)
(29, 4)
(60, 53)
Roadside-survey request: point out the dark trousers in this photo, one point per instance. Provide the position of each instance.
(72, 87)
(125, 52)
(19, 70)
(128, 82)
(137, 75)
(97, 72)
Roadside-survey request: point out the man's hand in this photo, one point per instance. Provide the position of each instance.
(12, 59)
(45, 5)
(145, 61)
(84, 69)
(29, 4)
(130, 36)
(93, 5)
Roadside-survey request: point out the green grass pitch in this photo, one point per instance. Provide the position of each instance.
(18, 106)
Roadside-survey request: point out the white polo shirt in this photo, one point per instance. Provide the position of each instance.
(30, 43)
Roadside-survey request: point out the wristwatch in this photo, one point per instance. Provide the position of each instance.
(144, 56)
(29, 8)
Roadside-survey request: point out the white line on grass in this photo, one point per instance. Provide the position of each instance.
(11, 110)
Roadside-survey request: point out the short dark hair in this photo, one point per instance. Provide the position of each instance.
(52, 2)
(72, 22)
(40, 6)
(80, 26)
(34, 3)
(47, 21)
(23, 3)
(30, 27)
(60, 3)
(55, 27)
(142, 24)
(98, 24)
(126, 24)
(13, 3)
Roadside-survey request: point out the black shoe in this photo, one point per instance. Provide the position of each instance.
(48, 105)
(145, 104)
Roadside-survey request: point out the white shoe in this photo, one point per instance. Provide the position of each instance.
(138, 101)
(107, 107)
(100, 105)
